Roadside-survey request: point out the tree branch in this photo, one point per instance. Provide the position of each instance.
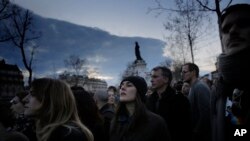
(229, 3)
(205, 6)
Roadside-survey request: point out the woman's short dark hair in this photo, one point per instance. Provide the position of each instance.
(112, 88)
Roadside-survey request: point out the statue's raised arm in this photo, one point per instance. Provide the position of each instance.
(137, 51)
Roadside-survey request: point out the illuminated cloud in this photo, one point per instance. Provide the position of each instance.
(96, 59)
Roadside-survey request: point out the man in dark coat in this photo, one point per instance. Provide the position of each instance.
(174, 108)
(230, 103)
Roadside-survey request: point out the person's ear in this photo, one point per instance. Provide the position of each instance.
(166, 79)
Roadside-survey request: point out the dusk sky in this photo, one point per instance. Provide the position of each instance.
(123, 18)
(119, 17)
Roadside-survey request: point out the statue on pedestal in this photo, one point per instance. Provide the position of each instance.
(137, 51)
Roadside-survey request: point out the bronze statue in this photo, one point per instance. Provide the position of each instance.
(137, 51)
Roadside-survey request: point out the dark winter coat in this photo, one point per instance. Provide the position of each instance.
(63, 133)
(175, 109)
(153, 128)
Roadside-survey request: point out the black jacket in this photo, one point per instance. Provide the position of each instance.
(153, 128)
(63, 133)
(175, 109)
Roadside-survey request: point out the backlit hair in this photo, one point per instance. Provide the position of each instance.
(58, 107)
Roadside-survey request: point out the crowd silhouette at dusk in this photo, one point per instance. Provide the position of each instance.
(191, 109)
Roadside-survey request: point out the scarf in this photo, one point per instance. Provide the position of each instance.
(234, 68)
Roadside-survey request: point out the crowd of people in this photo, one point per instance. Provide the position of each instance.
(191, 109)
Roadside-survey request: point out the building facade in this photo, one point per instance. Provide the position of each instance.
(11, 80)
(89, 84)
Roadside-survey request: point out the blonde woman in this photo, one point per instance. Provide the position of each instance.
(53, 106)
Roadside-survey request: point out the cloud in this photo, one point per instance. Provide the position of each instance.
(71, 41)
(97, 58)
(54, 28)
(102, 77)
(93, 72)
(106, 43)
(107, 55)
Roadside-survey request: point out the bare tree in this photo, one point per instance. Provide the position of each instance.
(20, 28)
(130, 70)
(176, 70)
(4, 14)
(77, 65)
(175, 66)
(217, 9)
(178, 48)
(167, 63)
(185, 24)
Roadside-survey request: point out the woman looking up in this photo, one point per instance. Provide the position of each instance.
(132, 120)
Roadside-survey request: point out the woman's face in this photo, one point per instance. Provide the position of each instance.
(17, 106)
(111, 97)
(32, 105)
(127, 92)
(185, 88)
